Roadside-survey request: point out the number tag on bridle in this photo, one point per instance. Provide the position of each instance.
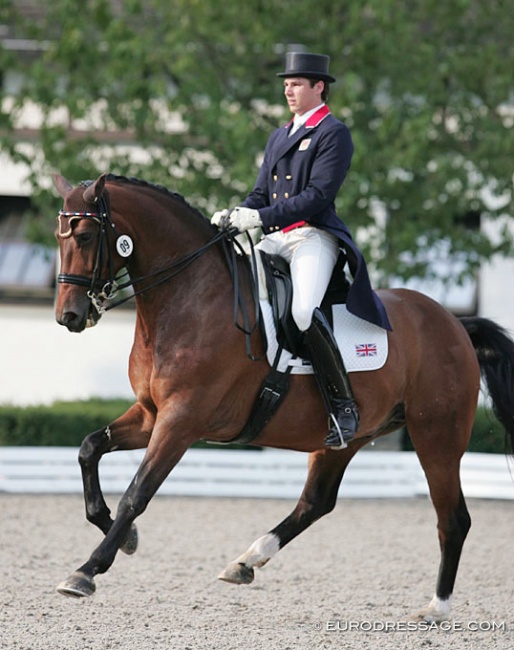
(124, 246)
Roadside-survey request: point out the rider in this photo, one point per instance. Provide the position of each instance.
(304, 166)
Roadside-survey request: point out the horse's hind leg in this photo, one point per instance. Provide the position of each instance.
(126, 432)
(441, 463)
(326, 469)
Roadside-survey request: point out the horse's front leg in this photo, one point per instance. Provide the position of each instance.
(163, 453)
(319, 496)
(126, 432)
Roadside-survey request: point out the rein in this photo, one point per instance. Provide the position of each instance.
(230, 243)
(101, 290)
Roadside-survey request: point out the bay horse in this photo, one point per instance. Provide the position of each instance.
(194, 379)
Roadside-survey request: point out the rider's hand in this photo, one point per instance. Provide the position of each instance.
(244, 218)
(218, 219)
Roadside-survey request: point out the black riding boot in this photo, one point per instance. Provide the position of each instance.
(333, 382)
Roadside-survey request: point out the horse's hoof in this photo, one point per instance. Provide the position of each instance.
(237, 573)
(438, 610)
(129, 546)
(77, 586)
(428, 616)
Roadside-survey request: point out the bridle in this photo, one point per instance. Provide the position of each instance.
(102, 290)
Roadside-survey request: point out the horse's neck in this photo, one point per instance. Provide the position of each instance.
(163, 231)
(186, 297)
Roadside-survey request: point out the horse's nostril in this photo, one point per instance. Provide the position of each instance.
(76, 321)
(68, 317)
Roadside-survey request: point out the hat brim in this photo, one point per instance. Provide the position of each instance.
(307, 75)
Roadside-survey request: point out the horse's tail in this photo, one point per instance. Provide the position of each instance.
(495, 352)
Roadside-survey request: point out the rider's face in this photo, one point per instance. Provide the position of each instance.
(300, 96)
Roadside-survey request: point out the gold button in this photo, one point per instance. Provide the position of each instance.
(275, 177)
(274, 195)
(286, 195)
(288, 177)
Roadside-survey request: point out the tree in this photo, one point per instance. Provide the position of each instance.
(426, 88)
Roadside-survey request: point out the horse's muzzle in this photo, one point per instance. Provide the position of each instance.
(76, 322)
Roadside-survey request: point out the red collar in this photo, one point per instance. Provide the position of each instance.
(315, 118)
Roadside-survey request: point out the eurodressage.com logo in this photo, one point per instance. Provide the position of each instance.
(336, 625)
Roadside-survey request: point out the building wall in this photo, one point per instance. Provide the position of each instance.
(496, 295)
(42, 362)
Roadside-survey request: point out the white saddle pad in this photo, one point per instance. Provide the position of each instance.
(363, 346)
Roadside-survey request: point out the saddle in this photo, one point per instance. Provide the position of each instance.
(280, 294)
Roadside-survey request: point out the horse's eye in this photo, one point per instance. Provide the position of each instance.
(83, 238)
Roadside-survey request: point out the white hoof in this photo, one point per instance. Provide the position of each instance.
(437, 611)
(237, 574)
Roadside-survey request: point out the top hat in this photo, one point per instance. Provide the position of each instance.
(310, 66)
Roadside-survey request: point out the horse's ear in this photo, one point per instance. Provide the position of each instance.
(93, 193)
(63, 186)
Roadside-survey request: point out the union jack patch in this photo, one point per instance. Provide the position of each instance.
(366, 349)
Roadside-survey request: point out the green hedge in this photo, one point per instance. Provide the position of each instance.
(62, 424)
(65, 424)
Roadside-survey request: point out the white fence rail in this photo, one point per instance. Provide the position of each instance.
(259, 474)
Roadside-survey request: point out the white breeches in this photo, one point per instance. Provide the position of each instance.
(312, 254)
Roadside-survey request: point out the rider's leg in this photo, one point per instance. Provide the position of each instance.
(333, 381)
(312, 254)
(312, 264)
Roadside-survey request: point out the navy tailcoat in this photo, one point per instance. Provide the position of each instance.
(298, 181)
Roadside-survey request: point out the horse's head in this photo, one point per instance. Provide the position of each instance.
(89, 261)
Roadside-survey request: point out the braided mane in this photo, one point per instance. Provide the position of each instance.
(124, 180)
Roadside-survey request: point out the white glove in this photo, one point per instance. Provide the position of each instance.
(217, 217)
(245, 218)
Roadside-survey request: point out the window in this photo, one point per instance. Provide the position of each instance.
(27, 271)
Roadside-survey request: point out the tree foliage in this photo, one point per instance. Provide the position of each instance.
(426, 88)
